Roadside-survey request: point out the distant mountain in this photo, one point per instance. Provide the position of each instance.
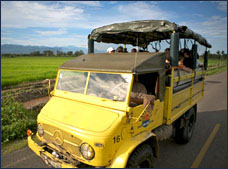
(21, 49)
(73, 48)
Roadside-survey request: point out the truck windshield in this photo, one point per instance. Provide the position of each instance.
(103, 85)
(72, 81)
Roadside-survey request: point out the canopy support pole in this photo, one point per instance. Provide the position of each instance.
(90, 45)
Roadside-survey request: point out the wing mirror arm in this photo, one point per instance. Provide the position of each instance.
(50, 93)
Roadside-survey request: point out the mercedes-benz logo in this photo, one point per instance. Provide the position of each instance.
(58, 138)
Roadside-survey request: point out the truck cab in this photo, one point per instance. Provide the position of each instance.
(97, 118)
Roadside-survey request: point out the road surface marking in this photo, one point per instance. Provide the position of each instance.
(205, 147)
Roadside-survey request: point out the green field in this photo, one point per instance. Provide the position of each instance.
(215, 62)
(23, 69)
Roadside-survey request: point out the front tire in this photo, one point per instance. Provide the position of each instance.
(142, 157)
(184, 134)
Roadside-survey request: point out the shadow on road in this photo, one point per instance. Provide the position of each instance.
(212, 81)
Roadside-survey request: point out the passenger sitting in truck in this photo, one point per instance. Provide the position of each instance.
(119, 49)
(110, 50)
(181, 52)
(138, 89)
(133, 50)
(188, 59)
(182, 66)
(125, 50)
(198, 63)
(139, 94)
(167, 60)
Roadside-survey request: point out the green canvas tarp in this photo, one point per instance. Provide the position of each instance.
(141, 33)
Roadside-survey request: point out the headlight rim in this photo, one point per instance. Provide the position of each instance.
(89, 146)
(40, 128)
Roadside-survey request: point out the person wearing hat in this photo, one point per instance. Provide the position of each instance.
(120, 49)
(133, 50)
(110, 50)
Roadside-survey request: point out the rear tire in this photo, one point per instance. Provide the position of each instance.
(184, 134)
(142, 157)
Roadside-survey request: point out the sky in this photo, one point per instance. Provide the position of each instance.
(64, 23)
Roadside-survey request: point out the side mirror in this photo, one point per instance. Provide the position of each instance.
(205, 60)
(194, 54)
(174, 49)
(90, 45)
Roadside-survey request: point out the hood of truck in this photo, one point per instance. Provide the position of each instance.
(79, 115)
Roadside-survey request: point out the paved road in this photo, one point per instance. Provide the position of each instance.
(205, 149)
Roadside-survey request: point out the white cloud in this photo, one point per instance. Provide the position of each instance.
(197, 15)
(222, 5)
(79, 41)
(51, 33)
(65, 14)
(214, 29)
(87, 3)
(216, 26)
(35, 14)
(139, 10)
(113, 2)
(5, 32)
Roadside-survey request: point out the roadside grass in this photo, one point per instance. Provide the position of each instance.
(14, 145)
(26, 69)
(15, 120)
(215, 62)
(216, 70)
(215, 66)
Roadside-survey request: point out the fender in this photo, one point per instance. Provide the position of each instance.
(121, 157)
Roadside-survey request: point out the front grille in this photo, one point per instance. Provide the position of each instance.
(70, 142)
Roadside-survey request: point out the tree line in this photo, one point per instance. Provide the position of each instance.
(47, 53)
(218, 55)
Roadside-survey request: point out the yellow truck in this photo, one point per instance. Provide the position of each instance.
(93, 119)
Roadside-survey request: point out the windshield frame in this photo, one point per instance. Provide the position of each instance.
(94, 99)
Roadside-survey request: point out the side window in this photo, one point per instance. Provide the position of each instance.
(146, 84)
(150, 81)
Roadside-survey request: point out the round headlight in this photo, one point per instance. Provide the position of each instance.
(87, 151)
(40, 130)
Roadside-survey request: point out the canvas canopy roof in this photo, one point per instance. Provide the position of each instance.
(118, 62)
(145, 31)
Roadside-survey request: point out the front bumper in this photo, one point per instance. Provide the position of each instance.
(48, 158)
